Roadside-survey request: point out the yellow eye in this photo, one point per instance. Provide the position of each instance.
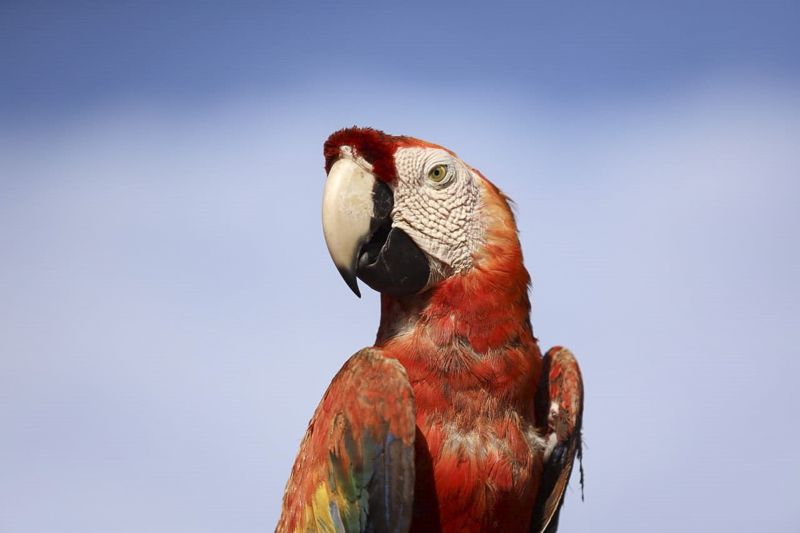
(437, 173)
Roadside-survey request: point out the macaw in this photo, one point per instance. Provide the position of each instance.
(453, 420)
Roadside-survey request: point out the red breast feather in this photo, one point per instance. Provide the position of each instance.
(473, 363)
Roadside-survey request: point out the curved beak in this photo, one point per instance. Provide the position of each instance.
(347, 211)
(356, 221)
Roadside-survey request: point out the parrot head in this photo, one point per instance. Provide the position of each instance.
(403, 214)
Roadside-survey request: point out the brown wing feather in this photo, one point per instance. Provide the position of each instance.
(559, 406)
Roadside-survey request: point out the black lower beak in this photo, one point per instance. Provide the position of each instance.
(398, 268)
(390, 261)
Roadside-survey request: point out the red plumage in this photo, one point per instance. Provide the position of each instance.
(483, 408)
(473, 364)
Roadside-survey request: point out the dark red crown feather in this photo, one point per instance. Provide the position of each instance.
(375, 146)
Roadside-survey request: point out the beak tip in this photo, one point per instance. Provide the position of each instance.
(355, 290)
(350, 278)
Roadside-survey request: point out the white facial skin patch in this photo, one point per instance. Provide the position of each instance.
(438, 213)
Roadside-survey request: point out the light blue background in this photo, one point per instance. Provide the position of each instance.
(169, 317)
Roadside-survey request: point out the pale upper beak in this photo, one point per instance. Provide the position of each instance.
(347, 210)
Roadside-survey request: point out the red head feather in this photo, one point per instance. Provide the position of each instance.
(375, 146)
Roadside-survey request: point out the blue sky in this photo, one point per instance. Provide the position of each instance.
(170, 318)
(59, 55)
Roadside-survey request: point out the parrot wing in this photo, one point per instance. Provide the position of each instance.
(355, 468)
(559, 406)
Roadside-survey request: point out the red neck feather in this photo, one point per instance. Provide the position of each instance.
(473, 329)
